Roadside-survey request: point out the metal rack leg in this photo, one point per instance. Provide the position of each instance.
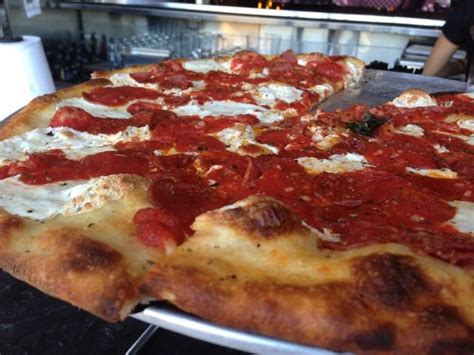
(142, 340)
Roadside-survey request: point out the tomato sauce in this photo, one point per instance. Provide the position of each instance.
(119, 95)
(191, 171)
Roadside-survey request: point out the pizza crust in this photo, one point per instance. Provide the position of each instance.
(255, 266)
(127, 70)
(413, 98)
(39, 112)
(91, 260)
(356, 70)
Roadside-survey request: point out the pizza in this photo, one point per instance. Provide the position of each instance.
(218, 186)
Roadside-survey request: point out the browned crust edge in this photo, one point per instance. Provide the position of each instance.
(389, 303)
(70, 266)
(337, 316)
(38, 112)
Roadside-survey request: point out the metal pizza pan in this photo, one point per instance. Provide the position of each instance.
(173, 319)
(378, 87)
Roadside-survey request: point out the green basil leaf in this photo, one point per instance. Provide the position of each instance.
(367, 125)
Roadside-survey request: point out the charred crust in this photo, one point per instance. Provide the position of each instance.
(127, 70)
(452, 346)
(382, 338)
(440, 315)
(265, 217)
(109, 308)
(8, 223)
(95, 82)
(389, 280)
(87, 255)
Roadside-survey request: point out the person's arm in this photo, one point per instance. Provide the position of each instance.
(437, 63)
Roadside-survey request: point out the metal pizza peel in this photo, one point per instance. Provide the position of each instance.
(378, 87)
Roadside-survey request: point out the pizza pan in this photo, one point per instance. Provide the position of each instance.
(378, 87)
(176, 320)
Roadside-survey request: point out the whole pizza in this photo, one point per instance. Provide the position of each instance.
(219, 186)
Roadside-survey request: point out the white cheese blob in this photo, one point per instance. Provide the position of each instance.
(228, 108)
(324, 139)
(323, 90)
(464, 218)
(127, 80)
(302, 62)
(43, 202)
(267, 94)
(441, 148)
(74, 144)
(466, 124)
(205, 66)
(240, 135)
(355, 73)
(196, 86)
(434, 173)
(411, 130)
(97, 110)
(263, 74)
(122, 79)
(414, 98)
(336, 164)
(468, 139)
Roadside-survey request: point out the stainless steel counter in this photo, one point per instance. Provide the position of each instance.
(411, 26)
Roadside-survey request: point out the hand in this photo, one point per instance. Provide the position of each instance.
(436, 64)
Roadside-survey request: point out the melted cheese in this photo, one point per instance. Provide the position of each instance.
(267, 94)
(97, 110)
(323, 90)
(466, 124)
(43, 202)
(355, 73)
(434, 173)
(468, 139)
(205, 66)
(411, 130)
(336, 164)
(464, 218)
(302, 62)
(228, 108)
(121, 79)
(196, 86)
(263, 74)
(240, 135)
(324, 140)
(74, 144)
(441, 148)
(463, 121)
(127, 80)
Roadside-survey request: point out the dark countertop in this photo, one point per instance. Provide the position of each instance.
(34, 323)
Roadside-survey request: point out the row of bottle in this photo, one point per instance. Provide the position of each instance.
(71, 61)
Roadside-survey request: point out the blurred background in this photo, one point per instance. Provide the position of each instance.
(82, 36)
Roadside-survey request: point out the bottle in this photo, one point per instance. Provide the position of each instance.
(103, 49)
(93, 49)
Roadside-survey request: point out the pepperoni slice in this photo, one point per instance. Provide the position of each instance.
(120, 95)
(156, 227)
